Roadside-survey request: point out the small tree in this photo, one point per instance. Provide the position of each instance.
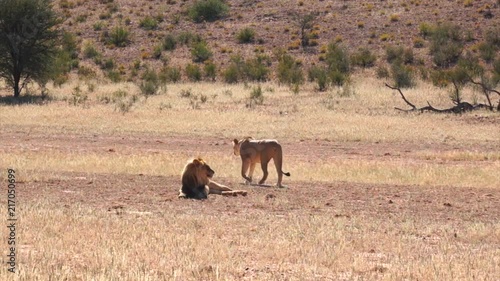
(27, 41)
(305, 23)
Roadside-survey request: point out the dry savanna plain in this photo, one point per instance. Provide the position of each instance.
(374, 193)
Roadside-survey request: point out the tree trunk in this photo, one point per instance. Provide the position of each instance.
(17, 90)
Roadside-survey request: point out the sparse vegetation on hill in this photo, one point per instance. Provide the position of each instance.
(415, 40)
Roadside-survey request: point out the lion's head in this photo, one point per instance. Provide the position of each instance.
(196, 173)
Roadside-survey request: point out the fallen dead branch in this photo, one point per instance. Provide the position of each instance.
(460, 107)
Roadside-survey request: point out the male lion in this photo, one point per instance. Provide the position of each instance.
(196, 182)
(259, 151)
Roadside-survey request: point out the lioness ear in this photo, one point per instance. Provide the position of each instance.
(235, 141)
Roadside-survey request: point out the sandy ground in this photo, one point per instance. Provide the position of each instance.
(144, 193)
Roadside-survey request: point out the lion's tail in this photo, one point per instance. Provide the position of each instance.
(286, 174)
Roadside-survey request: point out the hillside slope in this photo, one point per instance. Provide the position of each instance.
(371, 24)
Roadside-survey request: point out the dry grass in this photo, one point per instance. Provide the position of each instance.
(42, 165)
(81, 243)
(366, 116)
(252, 238)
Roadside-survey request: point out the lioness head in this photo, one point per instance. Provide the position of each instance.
(236, 147)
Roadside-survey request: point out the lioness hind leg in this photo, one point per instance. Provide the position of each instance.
(263, 164)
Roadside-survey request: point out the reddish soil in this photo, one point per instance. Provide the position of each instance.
(158, 194)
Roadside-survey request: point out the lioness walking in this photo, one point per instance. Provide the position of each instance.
(259, 151)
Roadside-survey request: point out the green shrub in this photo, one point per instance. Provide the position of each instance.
(119, 36)
(231, 74)
(188, 37)
(170, 74)
(402, 75)
(394, 54)
(426, 29)
(487, 51)
(98, 25)
(148, 23)
(200, 52)
(289, 70)
(169, 42)
(446, 45)
(492, 36)
(150, 84)
(256, 96)
(210, 70)
(234, 72)
(257, 69)
(89, 51)
(208, 10)
(193, 72)
(337, 59)
(319, 75)
(246, 35)
(496, 71)
(363, 58)
(398, 54)
(108, 64)
(114, 76)
(157, 51)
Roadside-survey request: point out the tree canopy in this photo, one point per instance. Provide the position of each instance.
(27, 41)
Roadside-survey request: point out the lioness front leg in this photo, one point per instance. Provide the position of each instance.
(246, 163)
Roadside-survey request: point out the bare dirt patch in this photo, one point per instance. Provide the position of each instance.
(145, 193)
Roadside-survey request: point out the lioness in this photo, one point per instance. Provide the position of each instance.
(196, 182)
(259, 151)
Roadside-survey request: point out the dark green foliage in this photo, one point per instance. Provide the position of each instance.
(210, 70)
(319, 75)
(496, 71)
(188, 37)
(27, 42)
(488, 51)
(89, 51)
(231, 74)
(338, 64)
(246, 35)
(446, 45)
(257, 69)
(208, 10)
(364, 58)
(426, 29)
(256, 96)
(148, 23)
(337, 59)
(402, 75)
(399, 55)
(119, 36)
(170, 74)
(193, 72)
(169, 42)
(150, 84)
(289, 70)
(200, 52)
(234, 72)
